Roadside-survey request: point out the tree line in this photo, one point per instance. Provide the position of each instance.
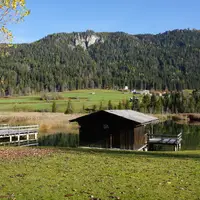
(172, 102)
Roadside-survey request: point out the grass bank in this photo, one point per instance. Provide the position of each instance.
(80, 174)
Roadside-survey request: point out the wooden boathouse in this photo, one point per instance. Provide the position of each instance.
(19, 135)
(124, 129)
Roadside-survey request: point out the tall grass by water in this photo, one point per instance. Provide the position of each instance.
(50, 123)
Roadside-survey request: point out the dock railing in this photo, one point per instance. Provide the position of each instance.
(164, 136)
(19, 135)
(164, 139)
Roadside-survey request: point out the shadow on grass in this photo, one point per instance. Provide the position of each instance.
(177, 155)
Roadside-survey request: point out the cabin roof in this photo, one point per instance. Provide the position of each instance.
(135, 116)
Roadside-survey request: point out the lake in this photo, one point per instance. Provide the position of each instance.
(191, 133)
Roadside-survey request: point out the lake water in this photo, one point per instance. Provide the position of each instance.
(190, 137)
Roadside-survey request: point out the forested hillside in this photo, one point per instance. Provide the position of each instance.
(103, 60)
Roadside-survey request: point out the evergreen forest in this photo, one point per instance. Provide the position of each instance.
(60, 62)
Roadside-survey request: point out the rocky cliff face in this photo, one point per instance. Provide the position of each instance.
(87, 40)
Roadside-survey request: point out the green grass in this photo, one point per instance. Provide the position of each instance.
(102, 174)
(83, 97)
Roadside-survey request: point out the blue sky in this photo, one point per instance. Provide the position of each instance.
(131, 16)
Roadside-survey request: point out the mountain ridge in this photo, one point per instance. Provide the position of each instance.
(66, 61)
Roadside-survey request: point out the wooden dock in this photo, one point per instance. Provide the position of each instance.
(170, 140)
(19, 135)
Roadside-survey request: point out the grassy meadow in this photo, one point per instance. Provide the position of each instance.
(79, 98)
(82, 174)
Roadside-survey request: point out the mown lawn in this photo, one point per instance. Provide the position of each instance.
(79, 99)
(82, 174)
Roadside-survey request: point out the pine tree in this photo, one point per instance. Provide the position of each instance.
(54, 107)
(135, 104)
(153, 103)
(166, 103)
(110, 106)
(69, 109)
(191, 104)
(158, 106)
(101, 106)
(119, 105)
(146, 103)
(127, 105)
(83, 109)
(94, 108)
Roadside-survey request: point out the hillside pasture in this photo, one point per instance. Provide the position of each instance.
(79, 99)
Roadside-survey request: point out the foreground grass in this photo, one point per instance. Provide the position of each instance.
(90, 174)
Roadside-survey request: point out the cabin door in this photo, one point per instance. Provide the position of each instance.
(140, 138)
(115, 140)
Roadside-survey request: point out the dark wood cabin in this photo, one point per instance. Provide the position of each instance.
(124, 129)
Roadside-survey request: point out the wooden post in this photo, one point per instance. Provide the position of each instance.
(179, 146)
(18, 140)
(111, 141)
(27, 138)
(151, 129)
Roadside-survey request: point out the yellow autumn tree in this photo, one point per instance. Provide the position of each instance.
(11, 11)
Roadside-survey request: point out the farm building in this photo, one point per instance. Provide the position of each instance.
(123, 129)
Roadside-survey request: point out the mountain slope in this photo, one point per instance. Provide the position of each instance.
(103, 60)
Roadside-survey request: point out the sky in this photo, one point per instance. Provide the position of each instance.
(130, 16)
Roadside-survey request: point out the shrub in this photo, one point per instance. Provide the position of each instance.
(54, 107)
(119, 105)
(69, 109)
(110, 106)
(101, 106)
(51, 96)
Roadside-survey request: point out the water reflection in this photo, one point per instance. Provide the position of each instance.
(191, 132)
(59, 140)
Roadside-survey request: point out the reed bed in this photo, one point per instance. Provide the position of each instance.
(49, 123)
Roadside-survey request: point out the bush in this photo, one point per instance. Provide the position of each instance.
(54, 107)
(110, 106)
(51, 96)
(119, 107)
(69, 109)
(101, 106)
